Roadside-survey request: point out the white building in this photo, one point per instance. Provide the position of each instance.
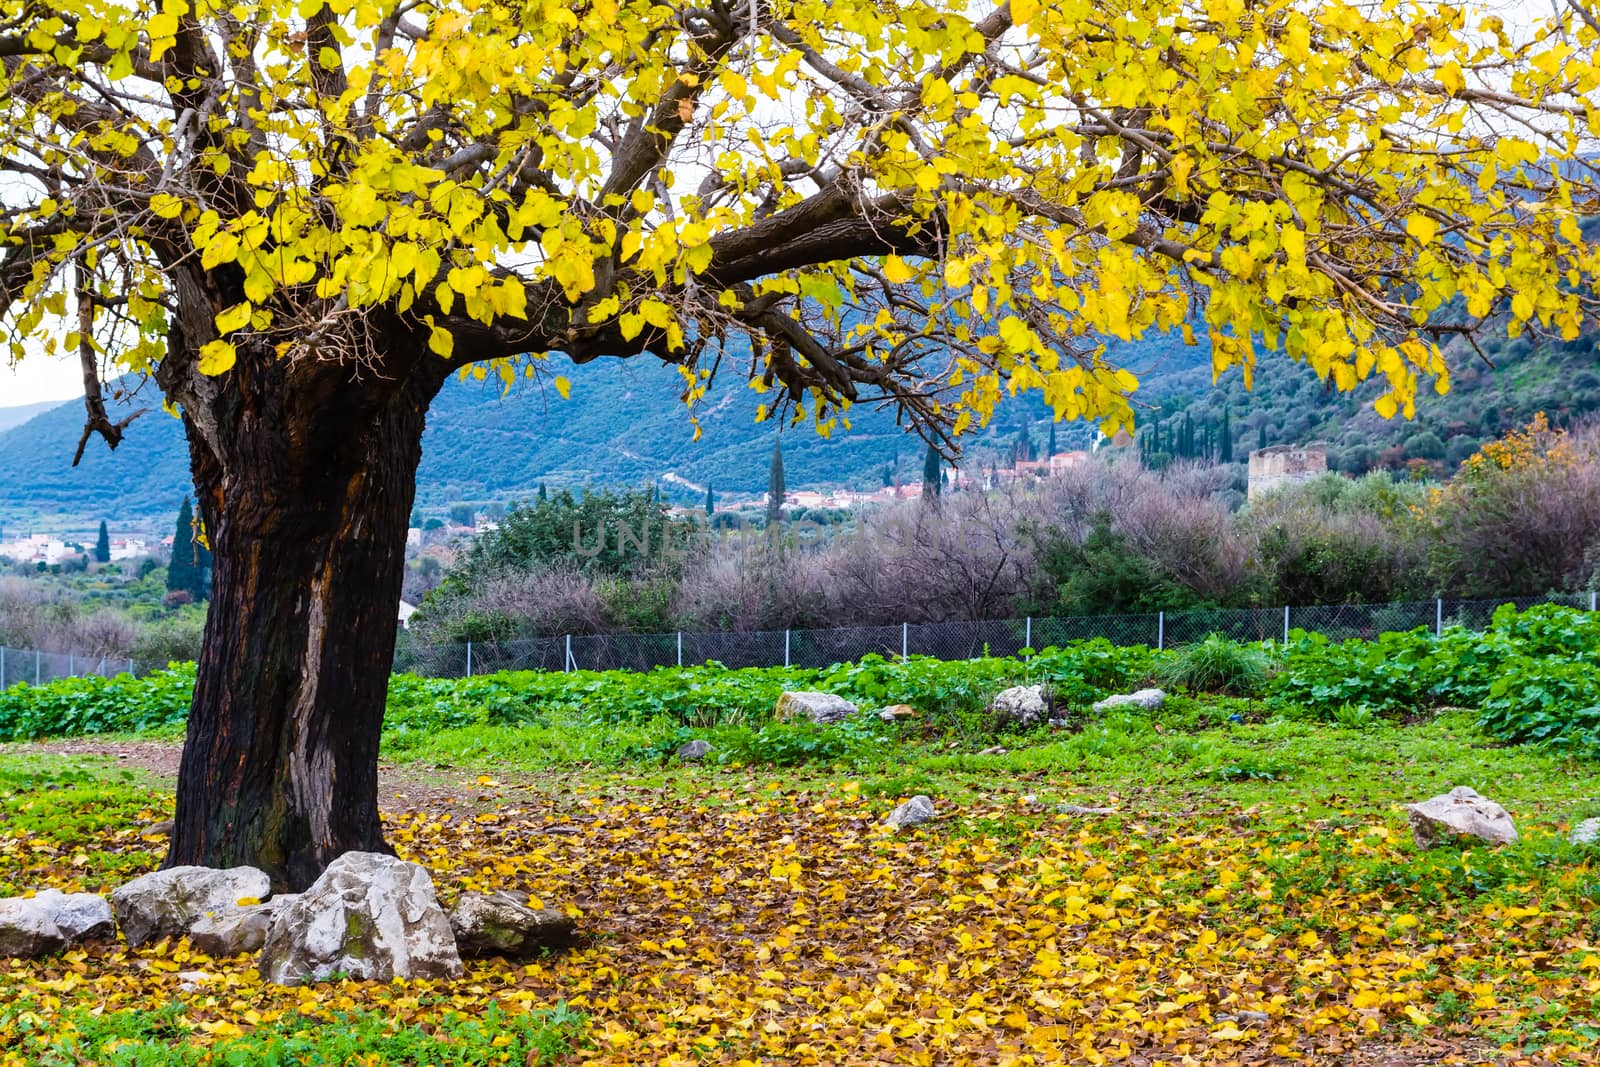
(36, 548)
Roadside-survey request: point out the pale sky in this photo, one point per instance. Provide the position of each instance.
(38, 378)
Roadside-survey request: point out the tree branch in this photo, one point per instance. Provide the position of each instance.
(97, 421)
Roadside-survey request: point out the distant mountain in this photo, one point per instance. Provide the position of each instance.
(21, 413)
(1504, 388)
(623, 425)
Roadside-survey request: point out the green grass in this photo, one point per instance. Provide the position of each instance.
(1203, 766)
(165, 1036)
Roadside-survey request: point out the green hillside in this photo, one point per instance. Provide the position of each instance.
(1528, 375)
(622, 425)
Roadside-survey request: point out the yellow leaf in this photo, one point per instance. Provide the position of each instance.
(217, 357)
(564, 387)
(1421, 227)
(233, 318)
(1023, 11)
(897, 270)
(441, 341)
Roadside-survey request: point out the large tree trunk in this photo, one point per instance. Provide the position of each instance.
(306, 512)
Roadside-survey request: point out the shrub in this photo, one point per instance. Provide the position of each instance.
(1216, 665)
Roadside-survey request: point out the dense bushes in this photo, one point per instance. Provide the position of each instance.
(686, 696)
(1533, 677)
(97, 705)
(1104, 537)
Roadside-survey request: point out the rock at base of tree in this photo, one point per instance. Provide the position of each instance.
(1445, 819)
(897, 712)
(690, 751)
(168, 903)
(157, 829)
(1022, 704)
(27, 931)
(368, 917)
(918, 809)
(1145, 699)
(237, 930)
(820, 708)
(1586, 832)
(502, 924)
(79, 916)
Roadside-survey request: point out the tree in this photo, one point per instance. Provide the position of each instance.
(711, 501)
(300, 219)
(775, 488)
(930, 475)
(1261, 436)
(1225, 437)
(543, 493)
(463, 514)
(1052, 447)
(187, 571)
(102, 545)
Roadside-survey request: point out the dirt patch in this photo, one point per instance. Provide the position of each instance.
(401, 787)
(159, 758)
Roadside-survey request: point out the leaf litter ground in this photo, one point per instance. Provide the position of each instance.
(738, 917)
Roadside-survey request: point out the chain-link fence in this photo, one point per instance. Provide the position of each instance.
(950, 640)
(35, 667)
(822, 648)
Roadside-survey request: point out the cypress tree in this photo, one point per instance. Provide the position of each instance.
(181, 571)
(1052, 440)
(102, 545)
(711, 501)
(1261, 436)
(930, 474)
(1225, 437)
(775, 490)
(543, 493)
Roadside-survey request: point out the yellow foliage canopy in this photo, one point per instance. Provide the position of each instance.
(922, 200)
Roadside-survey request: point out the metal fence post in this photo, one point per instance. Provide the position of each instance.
(71, 669)
(2, 666)
(1161, 630)
(130, 667)
(1027, 633)
(905, 641)
(680, 648)
(1591, 606)
(469, 659)
(785, 648)
(38, 666)
(1286, 624)
(567, 666)
(1438, 617)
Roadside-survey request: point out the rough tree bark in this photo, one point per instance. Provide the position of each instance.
(306, 504)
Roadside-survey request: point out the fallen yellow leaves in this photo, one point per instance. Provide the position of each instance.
(747, 928)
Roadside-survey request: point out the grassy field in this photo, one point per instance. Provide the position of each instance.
(1254, 897)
